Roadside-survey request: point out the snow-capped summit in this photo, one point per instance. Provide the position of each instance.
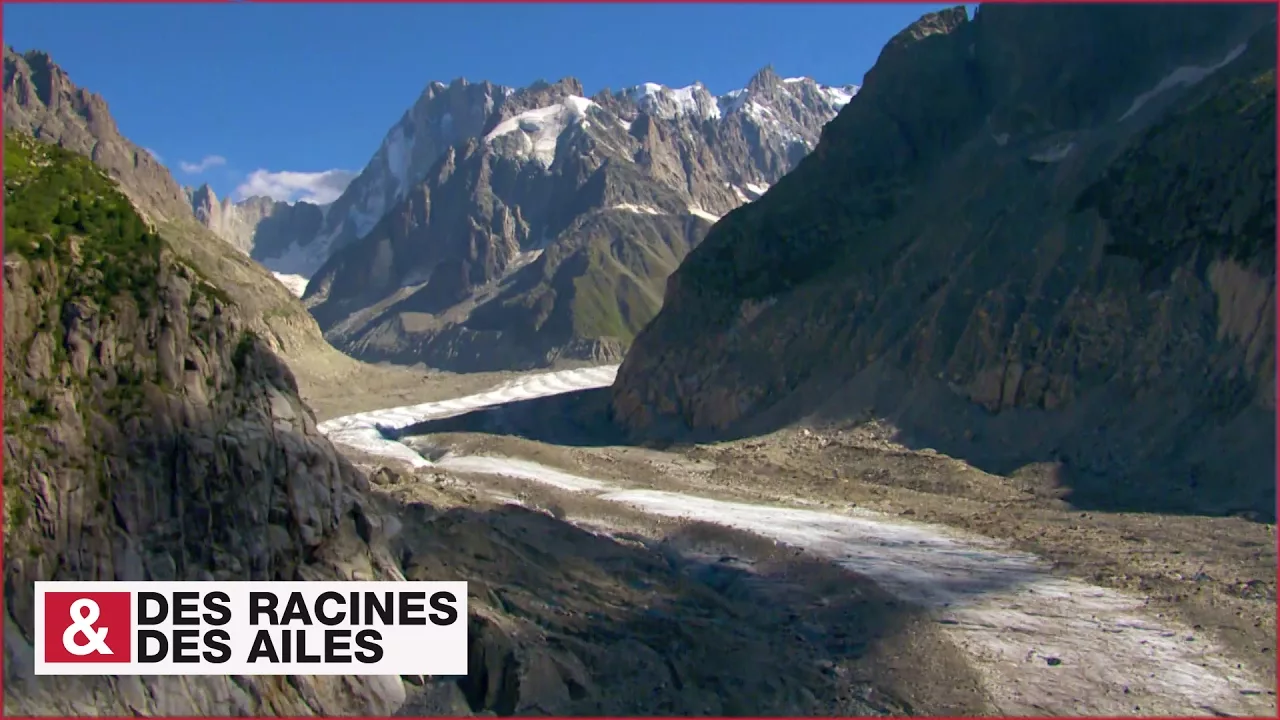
(667, 103)
(721, 151)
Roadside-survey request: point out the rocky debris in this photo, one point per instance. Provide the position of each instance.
(1003, 310)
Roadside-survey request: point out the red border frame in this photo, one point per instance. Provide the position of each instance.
(1255, 2)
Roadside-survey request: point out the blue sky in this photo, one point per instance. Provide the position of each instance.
(224, 93)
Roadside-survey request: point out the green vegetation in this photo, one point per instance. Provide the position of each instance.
(609, 301)
(60, 207)
(1203, 178)
(244, 347)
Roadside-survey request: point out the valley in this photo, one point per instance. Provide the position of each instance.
(951, 392)
(1048, 605)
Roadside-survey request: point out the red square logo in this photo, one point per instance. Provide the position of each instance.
(88, 627)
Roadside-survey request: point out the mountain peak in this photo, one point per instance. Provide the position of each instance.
(438, 87)
(941, 22)
(32, 56)
(565, 85)
(764, 78)
(202, 196)
(41, 100)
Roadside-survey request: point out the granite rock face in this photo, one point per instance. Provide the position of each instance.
(150, 434)
(1045, 234)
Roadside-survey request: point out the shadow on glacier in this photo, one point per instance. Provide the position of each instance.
(705, 620)
(575, 419)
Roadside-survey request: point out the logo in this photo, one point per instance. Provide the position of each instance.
(90, 627)
(251, 628)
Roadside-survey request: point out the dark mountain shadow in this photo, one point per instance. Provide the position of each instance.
(576, 419)
(1102, 453)
(706, 620)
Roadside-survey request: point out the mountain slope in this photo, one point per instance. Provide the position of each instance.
(547, 236)
(1023, 249)
(40, 100)
(125, 369)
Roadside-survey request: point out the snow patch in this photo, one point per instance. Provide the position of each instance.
(1185, 75)
(757, 190)
(669, 103)
(648, 89)
(640, 209)
(731, 101)
(363, 220)
(839, 96)
(758, 112)
(580, 105)
(303, 260)
(695, 210)
(398, 149)
(297, 284)
(539, 130)
(1055, 154)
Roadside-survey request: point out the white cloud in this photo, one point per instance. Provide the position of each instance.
(209, 161)
(319, 188)
(154, 154)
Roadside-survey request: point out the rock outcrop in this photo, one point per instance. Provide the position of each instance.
(1042, 235)
(151, 435)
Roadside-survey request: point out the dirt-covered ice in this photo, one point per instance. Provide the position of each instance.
(1044, 644)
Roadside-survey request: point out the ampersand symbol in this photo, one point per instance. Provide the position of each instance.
(84, 613)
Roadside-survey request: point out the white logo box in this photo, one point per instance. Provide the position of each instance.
(402, 628)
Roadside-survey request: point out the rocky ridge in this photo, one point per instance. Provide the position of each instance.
(1016, 253)
(41, 101)
(546, 234)
(126, 368)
